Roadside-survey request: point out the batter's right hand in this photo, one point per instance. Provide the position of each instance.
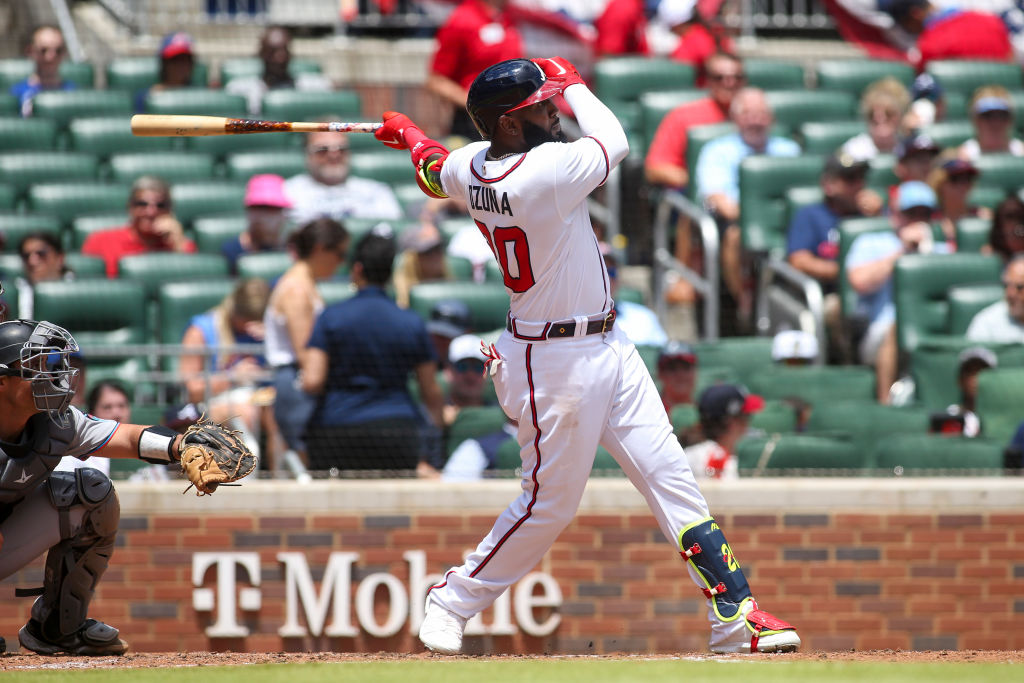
(392, 132)
(559, 69)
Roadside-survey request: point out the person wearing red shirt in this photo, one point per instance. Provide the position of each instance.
(478, 33)
(950, 33)
(151, 227)
(622, 29)
(697, 39)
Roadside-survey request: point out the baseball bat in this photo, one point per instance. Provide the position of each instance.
(173, 125)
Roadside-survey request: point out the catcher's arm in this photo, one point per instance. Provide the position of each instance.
(127, 442)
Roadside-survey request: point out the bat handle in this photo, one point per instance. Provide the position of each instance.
(339, 127)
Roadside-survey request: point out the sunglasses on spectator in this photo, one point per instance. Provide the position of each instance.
(467, 365)
(995, 115)
(142, 204)
(962, 178)
(718, 78)
(324, 149)
(1015, 286)
(41, 253)
(54, 50)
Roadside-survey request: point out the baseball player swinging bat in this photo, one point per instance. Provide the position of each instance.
(173, 125)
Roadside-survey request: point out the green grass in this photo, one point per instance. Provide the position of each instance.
(558, 670)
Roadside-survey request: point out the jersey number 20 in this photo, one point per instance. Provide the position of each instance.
(510, 247)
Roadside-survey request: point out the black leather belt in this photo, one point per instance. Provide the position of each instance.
(567, 328)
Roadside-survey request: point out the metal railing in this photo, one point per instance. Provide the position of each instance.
(800, 15)
(778, 303)
(664, 261)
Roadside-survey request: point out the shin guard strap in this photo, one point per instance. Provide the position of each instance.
(705, 549)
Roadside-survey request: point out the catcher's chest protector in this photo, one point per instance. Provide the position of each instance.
(24, 465)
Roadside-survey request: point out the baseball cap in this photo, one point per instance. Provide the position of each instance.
(926, 87)
(175, 44)
(978, 354)
(424, 238)
(916, 143)
(845, 166)
(675, 12)
(728, 400)
(266, 189)
(990, 103)
(677, 350)
(466, 346)
(915, 193)
(955, 167)
(449, 318)
(794, 344)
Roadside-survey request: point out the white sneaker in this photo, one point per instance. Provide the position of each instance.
(441, 630)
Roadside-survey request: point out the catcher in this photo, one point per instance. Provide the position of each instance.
(75, 514)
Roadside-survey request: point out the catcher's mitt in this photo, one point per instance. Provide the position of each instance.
(212, 455)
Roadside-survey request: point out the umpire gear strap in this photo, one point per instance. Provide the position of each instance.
(703, 546)
(156, 445)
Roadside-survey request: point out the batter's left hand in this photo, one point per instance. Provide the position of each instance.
(559, 69)
(392, 132)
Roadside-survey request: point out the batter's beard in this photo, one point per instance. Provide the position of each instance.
(534, 135)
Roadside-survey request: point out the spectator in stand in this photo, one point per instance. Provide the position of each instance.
(992, 116)
(47, 49)
(422, 260)
(718, 183)
(915, 157)
(639, 323)
(677, 372)
(464, 376)
(108, 400)
(177, 62)
(725, 413)
(225, 383)
(883, 105)
(474, 457)
(476, 35)
(953, 179)
(358, 363)
(276, 54)
(1003, 321)
(265, 206)
(950, 33)
(928, 103)
(42, 256)
(869, 267)
(698, 40)
(327, 190)
(1007, 235)
(449, 318)
(973, 361)
(320, 247)
(622, 29)
(794, 347)
(152, 227)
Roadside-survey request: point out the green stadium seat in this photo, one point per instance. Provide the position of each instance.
(799, 197)
(239, 67)
(683, 416)
(627, 78)
(795, 107)
(988, 197)
(604, 463)
(63, 105)
(83, 226)
(386, 165)
(202, 101)
(84, 308)
(283, 162)
(22, 169)
(86, 267)
(763, 184)
(864, 422)
(135, 74)
(473, 422)
(919, 453)
(882, 173)
(743, 355)
(222, 145)
(199, 198)
(11, 267)
(18, 134)
(967, 75)
(10, 295)
(1000, 397)
(106, 135)
(488, 302)
(334, 291)
(799, 454)
(18, 69)
(777, 417)
(311, 105)
(1001, 170)
(849, 230)
(268, 265)
(410, 196)
(170, 166)
(462, 268)
(155, 269)
(920, 290)
(966, 301)
(949, 133)
(933, 366)
(8, 197)
(655, 106)
(212, 231)
(855, 75)
(815, 384)
(972, 234)
(68, 200)
(14, 226)
(9, 105)
(717, 374)
(825, 137)
(178, 302)
(773, 74)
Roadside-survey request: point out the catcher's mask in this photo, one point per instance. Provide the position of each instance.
(40, 353)
(505, 87)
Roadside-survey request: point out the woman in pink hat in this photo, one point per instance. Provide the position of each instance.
(265, 205)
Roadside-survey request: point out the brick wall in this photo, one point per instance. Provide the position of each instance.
(943, 571)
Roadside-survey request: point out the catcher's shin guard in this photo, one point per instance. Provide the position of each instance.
(748, 629)
(74, 567)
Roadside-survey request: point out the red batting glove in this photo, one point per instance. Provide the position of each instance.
(559, 69)
(391, 133)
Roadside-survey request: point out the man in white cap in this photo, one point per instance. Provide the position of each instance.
(464, 376)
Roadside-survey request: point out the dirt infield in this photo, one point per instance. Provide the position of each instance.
(145, 660)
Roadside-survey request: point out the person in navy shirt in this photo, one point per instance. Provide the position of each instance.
(47, 50)
(359, 359)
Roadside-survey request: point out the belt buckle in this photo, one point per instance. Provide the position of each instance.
(608, 318)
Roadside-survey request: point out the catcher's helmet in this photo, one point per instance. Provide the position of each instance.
(504, 87)
(40, 352)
